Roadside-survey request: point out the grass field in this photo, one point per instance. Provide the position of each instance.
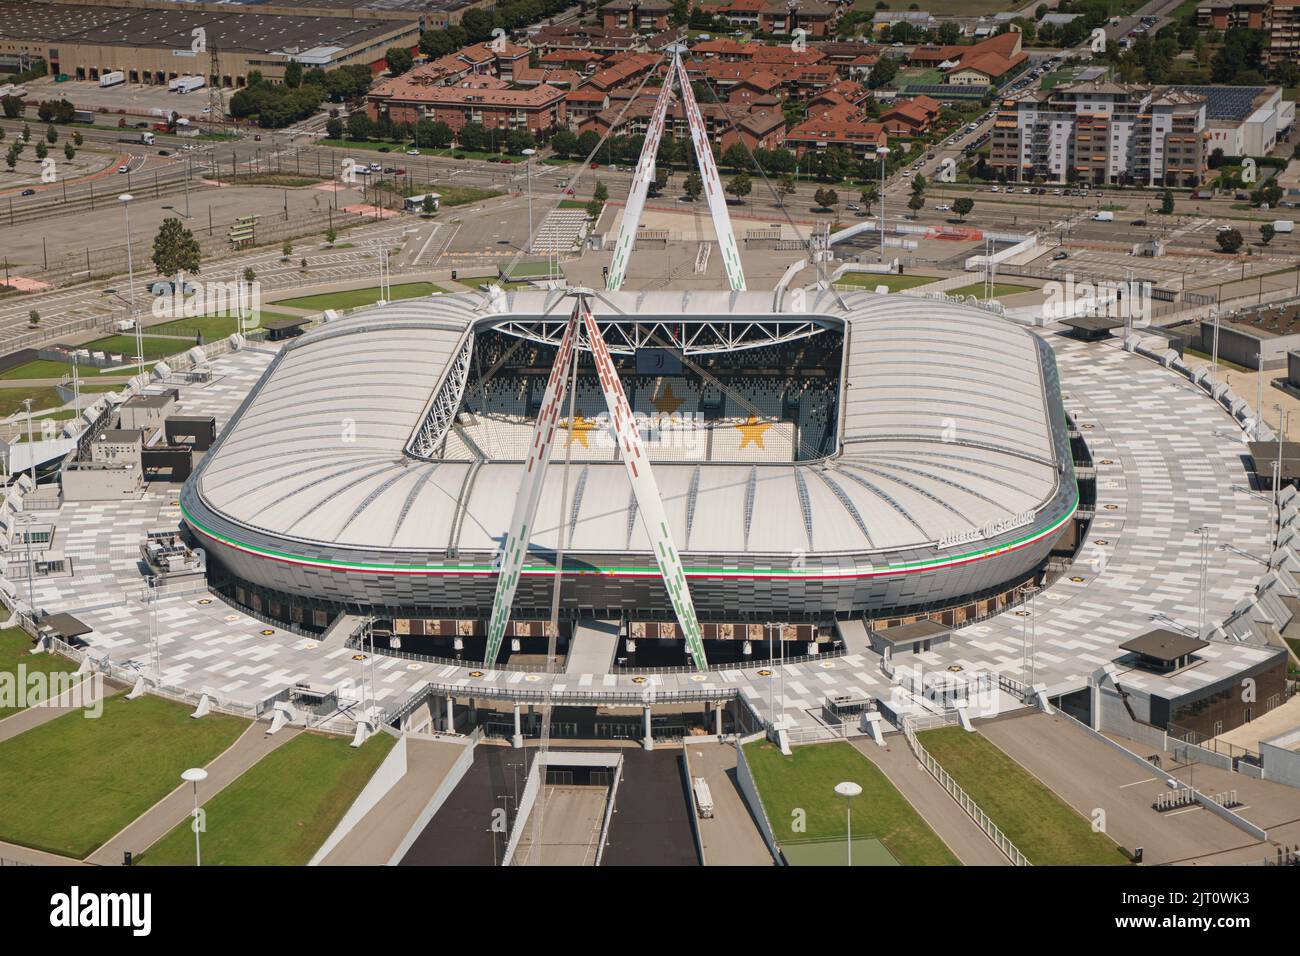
(283, 180)
(212, 327)
(70, 784)
(154, 349)
(42, 396)
(892, 281)
(38, 368)
(1000, 289)
(353, 298)
(282, 809)
(462, 195)
(15, 649)
(807, 780)
(1044, 828)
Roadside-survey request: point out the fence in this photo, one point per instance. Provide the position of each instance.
(982, 820)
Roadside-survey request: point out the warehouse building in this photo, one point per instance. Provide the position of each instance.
(158, 42)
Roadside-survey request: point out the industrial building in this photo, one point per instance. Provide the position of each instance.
(156, 42)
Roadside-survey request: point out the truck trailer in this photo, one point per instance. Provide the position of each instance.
(112, 78)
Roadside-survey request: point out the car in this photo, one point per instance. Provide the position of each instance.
(124, 169)
(1138, 222)
(29, 192)
(412, 152)
(852, 206)
(167, 286)
(206, 110)
(376, 167)
(390, 170)
(257, 137)
(163, 152)
(943, 207)
(1060, 255)
(995, 189)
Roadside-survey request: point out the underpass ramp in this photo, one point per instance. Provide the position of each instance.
(593, 647)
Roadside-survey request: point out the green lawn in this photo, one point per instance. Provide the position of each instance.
(807, 780)
(38, 368)
(353, 298)
(282, 809)
(42, 396)
(154, 349)
(212, 327)
(1000, 289)
(70, 784)
(892, 281)
(462, 195)
(1042, 826)
(15, 649)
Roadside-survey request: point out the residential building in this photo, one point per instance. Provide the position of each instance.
(639, 15)
(1102, 133)
(409, 99)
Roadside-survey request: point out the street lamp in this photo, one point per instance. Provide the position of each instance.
(195, 776)
(125, 200)
(848, 790)
(528, 168)
(882, 152)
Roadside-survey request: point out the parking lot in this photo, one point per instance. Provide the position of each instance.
(135, 98)
(1102, 784)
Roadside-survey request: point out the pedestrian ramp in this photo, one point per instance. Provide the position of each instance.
(593, 647)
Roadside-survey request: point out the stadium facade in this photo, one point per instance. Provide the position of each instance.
(350, 479)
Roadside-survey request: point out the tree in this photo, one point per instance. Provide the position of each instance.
(740, 186)
(919, 184)
(51, 134)
(786, 187)
(882, 73)
(175, 249)
(286, 250)
(249, 275)
(42, 151)
(693, 186)
(33, 318)
(963, 206)
(27, 133)
(399, 60)
(1167, 202)
(518, 140)
(826, 198)
(11, 157)
(473, 136)
(359, 126)
(331, 234)
(428, 207)
(916, 203)
(77, 139)
(334, 128)
(293, 74)
(68, 151)
(1266, 232)
(12, 106)
(601, 193)
(1230, 240)
(565, 143)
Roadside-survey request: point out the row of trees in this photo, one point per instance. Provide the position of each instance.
(477, 25)
(301, 93)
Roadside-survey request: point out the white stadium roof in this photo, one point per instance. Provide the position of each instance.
(945, 429)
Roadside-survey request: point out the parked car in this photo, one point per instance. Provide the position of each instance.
(412, 152)
(124, 169)
(29, 192)
(1060, 255)
(1138, 222)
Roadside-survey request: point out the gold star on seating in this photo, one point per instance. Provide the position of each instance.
(666, 402)
(751, 432)
(582, 426)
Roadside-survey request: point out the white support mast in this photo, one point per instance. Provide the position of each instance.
(650, 504)
(645, 174)
(515, 547)
(712, 183)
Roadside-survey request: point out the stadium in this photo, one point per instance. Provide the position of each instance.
(848, 455)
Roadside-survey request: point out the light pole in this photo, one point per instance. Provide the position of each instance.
(848, 790)
(882, 153)
(31, 448)
(528, 169)
(195, 776)
(125, 200)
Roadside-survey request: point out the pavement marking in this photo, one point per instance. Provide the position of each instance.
(1137, 783)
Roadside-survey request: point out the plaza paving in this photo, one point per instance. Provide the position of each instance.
(1169, 460)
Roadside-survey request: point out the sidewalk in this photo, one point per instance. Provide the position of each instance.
(156, 822)
(966, 840)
